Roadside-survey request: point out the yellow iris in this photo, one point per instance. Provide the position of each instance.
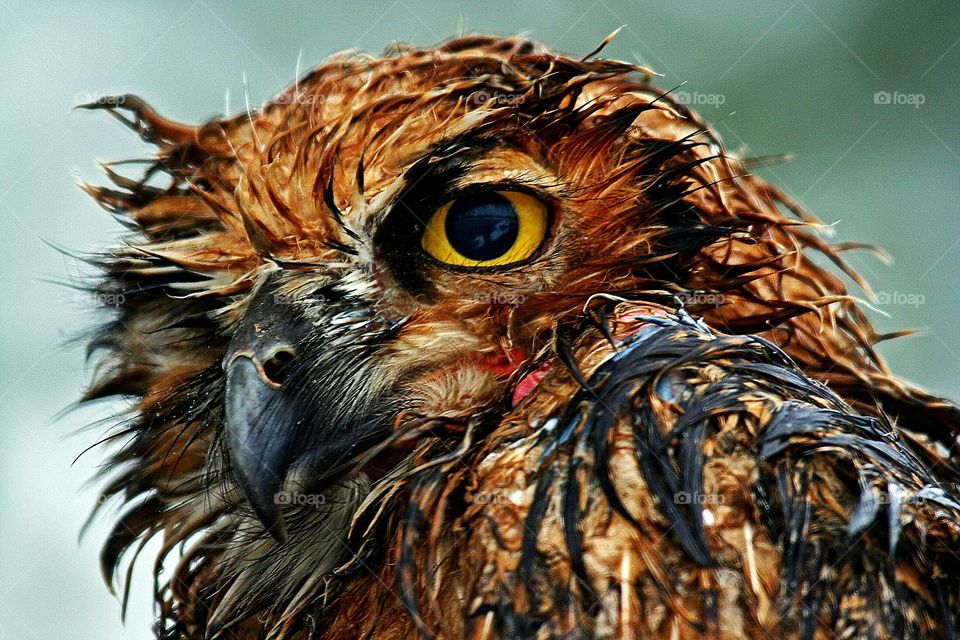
(486, 229)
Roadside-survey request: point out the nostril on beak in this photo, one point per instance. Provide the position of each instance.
(277, 366)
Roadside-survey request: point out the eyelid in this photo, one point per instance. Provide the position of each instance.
(534, 180)
(448, 174)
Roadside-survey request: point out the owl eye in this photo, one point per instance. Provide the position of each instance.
(486, 229)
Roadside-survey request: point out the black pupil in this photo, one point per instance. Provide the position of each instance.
(482, 227)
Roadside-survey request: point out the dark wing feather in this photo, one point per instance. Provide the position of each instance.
(696, 484)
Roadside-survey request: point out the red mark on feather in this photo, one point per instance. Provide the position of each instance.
(529, 382)
(506, 364)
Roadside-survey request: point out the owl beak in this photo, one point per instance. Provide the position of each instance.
(296, 410)
(261, 411)
(259, 447)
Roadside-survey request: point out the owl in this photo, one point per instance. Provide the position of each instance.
(484, 341)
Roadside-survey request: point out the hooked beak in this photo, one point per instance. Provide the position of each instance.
(301, 401)
(259, 408)
(259, 454)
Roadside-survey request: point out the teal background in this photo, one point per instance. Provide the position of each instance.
(800, 77)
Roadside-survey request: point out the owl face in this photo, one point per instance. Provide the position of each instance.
(419, 247)
(461, 237)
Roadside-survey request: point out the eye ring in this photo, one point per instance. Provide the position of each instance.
(490, 228)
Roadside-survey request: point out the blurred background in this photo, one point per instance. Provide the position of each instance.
(865, 95)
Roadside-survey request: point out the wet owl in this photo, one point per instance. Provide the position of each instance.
(487, 341)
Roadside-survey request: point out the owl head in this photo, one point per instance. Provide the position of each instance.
(390, 252)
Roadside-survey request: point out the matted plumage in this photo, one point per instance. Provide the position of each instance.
(487, 341)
